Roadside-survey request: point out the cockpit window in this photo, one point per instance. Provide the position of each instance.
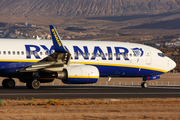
(161, 55)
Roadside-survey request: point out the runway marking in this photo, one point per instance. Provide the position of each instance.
(177, 93)
(117, 86)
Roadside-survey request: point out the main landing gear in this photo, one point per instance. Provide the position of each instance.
(33, 84)
(8, 83)
(144, 84)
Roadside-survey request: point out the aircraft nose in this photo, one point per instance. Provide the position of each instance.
(172, 64)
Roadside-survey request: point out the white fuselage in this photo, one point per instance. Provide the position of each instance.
(111, 58)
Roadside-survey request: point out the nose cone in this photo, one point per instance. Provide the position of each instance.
(172, 64)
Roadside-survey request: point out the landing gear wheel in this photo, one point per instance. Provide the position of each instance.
(8, 83)
(34, 84)
(4, 83)
(144, 85)
(11, 83)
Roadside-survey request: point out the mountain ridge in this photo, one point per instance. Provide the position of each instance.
(87, 7)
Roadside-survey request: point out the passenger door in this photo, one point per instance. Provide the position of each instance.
(148, 57)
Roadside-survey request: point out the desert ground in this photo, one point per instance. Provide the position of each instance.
(90, 109)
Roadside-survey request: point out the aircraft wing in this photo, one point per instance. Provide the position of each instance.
(54, 62)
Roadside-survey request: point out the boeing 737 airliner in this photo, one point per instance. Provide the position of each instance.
(77, 62)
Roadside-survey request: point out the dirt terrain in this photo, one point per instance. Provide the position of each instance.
(90, 109)
(86, 7)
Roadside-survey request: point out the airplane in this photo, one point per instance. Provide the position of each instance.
(77, 61)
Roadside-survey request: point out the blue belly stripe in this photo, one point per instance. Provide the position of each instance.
(11, 68)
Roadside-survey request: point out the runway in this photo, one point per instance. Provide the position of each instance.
(72, 92)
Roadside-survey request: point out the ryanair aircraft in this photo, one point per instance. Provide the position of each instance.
(77, 62)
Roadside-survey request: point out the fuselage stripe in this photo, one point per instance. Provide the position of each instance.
(83, 76)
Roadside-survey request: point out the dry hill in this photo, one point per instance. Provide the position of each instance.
(86, 7)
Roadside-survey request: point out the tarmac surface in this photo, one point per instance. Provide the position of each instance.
(72, 92)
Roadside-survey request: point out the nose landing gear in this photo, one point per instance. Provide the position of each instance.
(144, 84)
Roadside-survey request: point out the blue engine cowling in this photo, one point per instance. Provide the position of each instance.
(82, 74)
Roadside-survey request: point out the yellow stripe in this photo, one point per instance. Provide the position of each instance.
(120, 65)
(83, 76)
(45, 78)
(6, 60)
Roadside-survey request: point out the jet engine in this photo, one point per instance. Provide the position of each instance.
(82, 74)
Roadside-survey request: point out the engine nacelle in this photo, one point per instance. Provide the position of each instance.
(82, 74)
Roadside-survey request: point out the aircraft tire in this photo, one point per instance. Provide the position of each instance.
(8, 83)
(144, 85)
(4, 83)
(34, 84)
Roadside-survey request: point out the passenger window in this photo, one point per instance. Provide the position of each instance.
(35, 53)
(102, 55)
(79, 54)
(40, 53)
(27, 53)
(110, 54)
(17, 52)
(22, 52)
(4, 52)
(46, 53)
(130, 55)
(9, 52)
(13, 52)
(92, 54)
(0, 52)
(125, 55)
